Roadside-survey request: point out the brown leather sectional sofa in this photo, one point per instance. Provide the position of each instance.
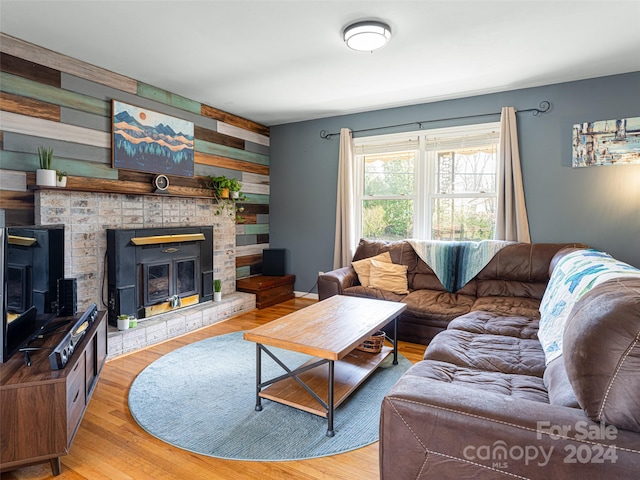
(512, 283)
(483, 404)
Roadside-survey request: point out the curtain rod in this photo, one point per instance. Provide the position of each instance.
(542, 108)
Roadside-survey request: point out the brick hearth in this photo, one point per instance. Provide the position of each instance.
(169, 325)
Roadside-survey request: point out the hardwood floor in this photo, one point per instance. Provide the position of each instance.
(110, 445)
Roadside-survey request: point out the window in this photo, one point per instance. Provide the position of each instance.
(435, 184)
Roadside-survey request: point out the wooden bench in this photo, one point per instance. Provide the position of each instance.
(269, 290)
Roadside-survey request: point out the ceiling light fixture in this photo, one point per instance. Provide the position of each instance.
(367, 36)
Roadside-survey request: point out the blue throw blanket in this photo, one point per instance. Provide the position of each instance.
(456, 263)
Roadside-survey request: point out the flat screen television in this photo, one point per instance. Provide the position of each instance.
(32, 263)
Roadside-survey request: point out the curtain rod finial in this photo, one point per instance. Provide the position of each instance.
(544, 107)
(324, 134)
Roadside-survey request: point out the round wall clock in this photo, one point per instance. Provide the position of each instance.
(161, 182)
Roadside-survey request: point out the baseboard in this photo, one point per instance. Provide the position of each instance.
(313, 296)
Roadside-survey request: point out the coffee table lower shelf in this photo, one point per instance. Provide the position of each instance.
(349, 373)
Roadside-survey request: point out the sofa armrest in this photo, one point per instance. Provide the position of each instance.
(334, 282)
(433, 429)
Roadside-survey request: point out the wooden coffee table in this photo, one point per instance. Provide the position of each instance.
(329, 330)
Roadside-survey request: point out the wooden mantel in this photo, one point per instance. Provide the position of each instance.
(133, 183)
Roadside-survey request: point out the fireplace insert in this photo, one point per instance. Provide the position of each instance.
(155, 270)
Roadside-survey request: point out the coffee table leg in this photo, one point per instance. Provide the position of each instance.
(395, 341)
(330, 431)
(258, 377)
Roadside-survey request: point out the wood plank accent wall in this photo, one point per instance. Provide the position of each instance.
(42, 104)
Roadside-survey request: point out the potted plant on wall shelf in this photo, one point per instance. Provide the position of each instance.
(45, 175)
(224, 187)
(217, 290)
(227, 191)
(61, 178)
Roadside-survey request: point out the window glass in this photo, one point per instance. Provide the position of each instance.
(463, 218)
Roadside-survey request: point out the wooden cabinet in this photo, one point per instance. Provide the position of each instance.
(269, 290)
(41, 408)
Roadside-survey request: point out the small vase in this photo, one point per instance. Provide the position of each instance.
(46, 178)
(61, 183)
(217, 296)
(123, 323)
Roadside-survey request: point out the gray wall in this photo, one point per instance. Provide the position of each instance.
(599, 206)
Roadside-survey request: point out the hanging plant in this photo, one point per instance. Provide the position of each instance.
(227, 191)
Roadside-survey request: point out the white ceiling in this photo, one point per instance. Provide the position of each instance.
(277, 62)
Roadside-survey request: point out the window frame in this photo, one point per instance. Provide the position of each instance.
(424, 193)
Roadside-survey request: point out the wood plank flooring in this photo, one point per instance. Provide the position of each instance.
(111, 446)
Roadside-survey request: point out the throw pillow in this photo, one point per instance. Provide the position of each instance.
(389, 276)
(363, 267)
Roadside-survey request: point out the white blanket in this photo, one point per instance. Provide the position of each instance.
(574, 276)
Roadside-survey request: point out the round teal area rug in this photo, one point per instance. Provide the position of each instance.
(201, 398)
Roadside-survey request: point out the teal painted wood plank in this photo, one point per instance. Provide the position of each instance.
(256, 198)
(256, 229)
(230, 152)
(46, 93)
(168, 98)
(242, 272)
(29, 162)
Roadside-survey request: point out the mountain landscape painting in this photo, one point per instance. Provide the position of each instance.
(149, 141)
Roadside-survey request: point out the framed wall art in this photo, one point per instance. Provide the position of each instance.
(149, 141)
(606, 142)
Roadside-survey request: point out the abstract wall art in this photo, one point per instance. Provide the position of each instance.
(606, 142)
(148, 141)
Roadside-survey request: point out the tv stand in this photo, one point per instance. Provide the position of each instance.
(42, 408)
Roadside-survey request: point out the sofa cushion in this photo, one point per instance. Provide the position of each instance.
(520, 270)
(363, 267)
(491, 353)
(602, 352)
(507, 305)
(516, 386)
(558, 385)
(437, 304)
(496, 324)
(388, 276)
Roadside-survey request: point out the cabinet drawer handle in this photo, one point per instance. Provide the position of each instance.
(76, 397)
(76, 367)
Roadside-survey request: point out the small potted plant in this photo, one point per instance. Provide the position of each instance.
(217, 290)
(220, 186)
(123, 322)
(234, 188)
(45, 175)
(224, 187)
(61, 180)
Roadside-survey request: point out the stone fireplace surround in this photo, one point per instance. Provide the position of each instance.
(86, 217)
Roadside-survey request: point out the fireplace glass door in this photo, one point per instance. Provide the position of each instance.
(186, 275)
(164, 280)
(156, 283)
